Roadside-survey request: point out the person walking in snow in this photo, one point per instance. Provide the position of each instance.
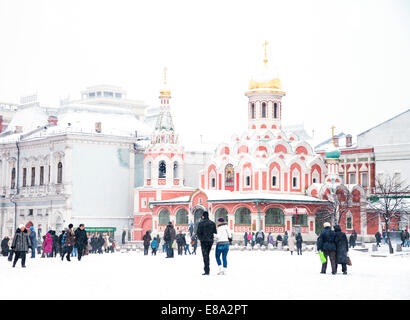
(81, 240)
(205, 232)
(223, 240)
(154, 247)
(402, 237)
(33, 239)
(245, 239)
(180, 242)
(279, 240)
(285, 239)
(147, 240)
(299, 241)
(250, 238)
(187, 243)
(270, 239)
(291, 243)
(342, 248)
(69, 242)
(194, 243)
(5, 246)
(253, 239)
(378, 238)
(326, 244)
(21, 244)
(169, 238)
(48, 246)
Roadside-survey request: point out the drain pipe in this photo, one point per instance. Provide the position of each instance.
(12, 198)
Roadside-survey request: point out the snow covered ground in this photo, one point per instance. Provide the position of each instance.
(252, 275)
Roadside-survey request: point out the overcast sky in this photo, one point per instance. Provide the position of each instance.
(343, 63)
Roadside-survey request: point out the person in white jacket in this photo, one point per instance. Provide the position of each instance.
(223, 240)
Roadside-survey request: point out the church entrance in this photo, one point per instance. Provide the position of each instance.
(197, 217)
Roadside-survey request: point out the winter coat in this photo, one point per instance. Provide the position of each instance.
(285, 239)
(147, 239)
(5, 246)
(21, 241)
(80, 238)
(403, 236)
(195, 241)
(270, 239)
(342, 246)
(291, 243)
(154, 244)
(169, 233)
(250, 237)
(33, 239)
(206, 230)
(378, 236)
(326, 240)
(245, 236)
(48, 244)
(299, 240)
(223, 234)
(352, 240)
(179, 239)
(279, 238)
(69, 238)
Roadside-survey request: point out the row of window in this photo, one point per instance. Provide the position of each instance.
(264, 110)
(273, 217)
(274, 179)
(33, 176)
(108, 94)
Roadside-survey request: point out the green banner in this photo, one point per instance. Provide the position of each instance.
(100, 229)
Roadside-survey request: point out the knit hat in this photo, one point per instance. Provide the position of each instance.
(221, 220)
(31, 228)
(70, 225)
(21, 226)
(326, 224)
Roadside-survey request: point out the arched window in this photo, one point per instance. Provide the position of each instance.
(212, 180)
(13, 178)
(162, 169)
(221, 212)
(315, 176)
(243, 216)
(229, 176)
(263, 110)
(274, 217)
(163, 217)
(295, 179)
(275, 177)
(182, 217)
(149, 170)
(60, 173)
(33, 176)
(253, 111)
(176, 169)
(247, 175)
(275, 110)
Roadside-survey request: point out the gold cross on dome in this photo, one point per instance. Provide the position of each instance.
(333, 134)
(165, 75)
(265, 44)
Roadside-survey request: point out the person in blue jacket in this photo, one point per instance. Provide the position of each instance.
(154, 247)
(33, 239)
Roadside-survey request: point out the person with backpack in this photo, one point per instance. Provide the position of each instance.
(223, 241)
(205, 232)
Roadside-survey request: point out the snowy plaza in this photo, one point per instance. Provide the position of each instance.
(270, 275)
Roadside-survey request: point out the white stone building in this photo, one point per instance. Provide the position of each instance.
(80, 166)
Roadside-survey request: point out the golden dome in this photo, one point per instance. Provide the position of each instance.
(270, 84)
(165, 92)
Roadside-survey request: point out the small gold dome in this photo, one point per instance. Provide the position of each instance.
(270, 84)
(165, 92)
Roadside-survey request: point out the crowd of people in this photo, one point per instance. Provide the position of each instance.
(70, 243)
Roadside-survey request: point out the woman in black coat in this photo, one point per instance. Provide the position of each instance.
(147, 240)
(342, 247)
(5, 246)
(299, 241)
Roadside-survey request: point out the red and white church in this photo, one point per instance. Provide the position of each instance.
(263, 179)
